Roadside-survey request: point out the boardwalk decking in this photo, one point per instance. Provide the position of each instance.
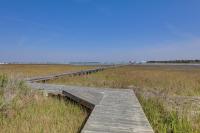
(73, 73)
(113, 110)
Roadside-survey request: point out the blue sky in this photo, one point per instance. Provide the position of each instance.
(99, 30)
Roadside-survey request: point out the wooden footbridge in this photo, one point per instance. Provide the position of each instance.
(112, 110)
(71, 73)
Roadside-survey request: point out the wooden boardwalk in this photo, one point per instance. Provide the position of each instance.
(113, 110)
(71, 73)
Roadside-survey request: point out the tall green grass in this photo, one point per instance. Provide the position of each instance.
(23, 110)
(164, 121)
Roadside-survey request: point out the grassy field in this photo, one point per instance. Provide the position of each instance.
(24, 71)
(168, 94)
(24, 110)
(173, 80)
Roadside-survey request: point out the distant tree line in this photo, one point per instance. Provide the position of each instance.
(175, 61)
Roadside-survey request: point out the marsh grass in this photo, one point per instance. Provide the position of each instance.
(172, 80)
(164, 121)
(32, 70)
(24, 110)
(161, 86)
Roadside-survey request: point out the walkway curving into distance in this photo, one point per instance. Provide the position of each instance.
(113, 110)
(71, 73)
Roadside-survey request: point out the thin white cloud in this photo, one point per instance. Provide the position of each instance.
(178, 50)
(177, 32)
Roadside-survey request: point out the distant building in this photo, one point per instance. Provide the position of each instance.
(3, 63)
(140, 62)
(143, 62)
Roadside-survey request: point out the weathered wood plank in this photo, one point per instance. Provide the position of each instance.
(114, 110)
(74, 73)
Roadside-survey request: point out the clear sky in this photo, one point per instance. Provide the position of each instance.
(99, 30)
